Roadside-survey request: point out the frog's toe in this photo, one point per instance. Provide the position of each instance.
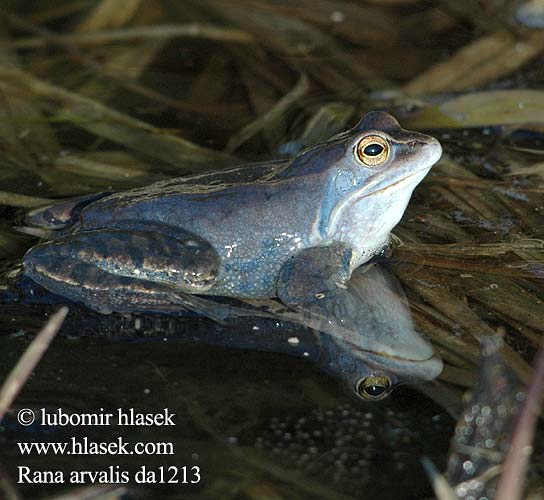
(199, 265)
(313, 273)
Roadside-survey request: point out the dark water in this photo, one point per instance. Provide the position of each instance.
(248, 420)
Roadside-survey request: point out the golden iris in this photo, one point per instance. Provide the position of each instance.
(372, 150)
(374, 387)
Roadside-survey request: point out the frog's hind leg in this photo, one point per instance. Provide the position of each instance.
(124, 271)
(106, 293)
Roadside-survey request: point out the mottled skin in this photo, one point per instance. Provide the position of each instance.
(231, 232)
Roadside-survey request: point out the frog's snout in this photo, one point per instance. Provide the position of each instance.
(433, 149)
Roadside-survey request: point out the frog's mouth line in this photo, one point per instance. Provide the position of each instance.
(389, 186)
(391, 356)
(398, 358)
(420, 369)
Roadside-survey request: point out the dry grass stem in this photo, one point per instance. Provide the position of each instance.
(442, 489)
(21, 200)
(118, 127)
(510, 486)
(276, 112)
(164, 31)
(28, 361)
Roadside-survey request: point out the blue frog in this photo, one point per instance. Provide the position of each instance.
(246, 232)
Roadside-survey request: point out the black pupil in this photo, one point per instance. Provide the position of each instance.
(375, 390)
(373, 150)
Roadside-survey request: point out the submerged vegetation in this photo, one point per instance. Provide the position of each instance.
(102, 95)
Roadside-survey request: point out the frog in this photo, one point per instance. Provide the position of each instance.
(289, 230)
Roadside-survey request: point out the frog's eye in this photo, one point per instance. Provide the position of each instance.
(373, 387)
(372, 150)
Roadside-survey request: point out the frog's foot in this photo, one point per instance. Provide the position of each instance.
(124, 270)
(307, 277)
(314, 283)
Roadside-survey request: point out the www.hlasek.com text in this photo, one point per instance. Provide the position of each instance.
(85, 446)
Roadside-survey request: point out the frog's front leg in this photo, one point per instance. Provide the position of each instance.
(315, 283)
(124, 270)
(313, 273)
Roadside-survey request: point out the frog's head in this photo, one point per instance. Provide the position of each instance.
(381, 154)
(369, 173)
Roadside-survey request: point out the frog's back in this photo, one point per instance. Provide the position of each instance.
(62, 216)
(195, 201)
(191, 185)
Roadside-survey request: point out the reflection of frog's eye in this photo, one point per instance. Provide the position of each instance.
(372, 150)
(373, 387)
